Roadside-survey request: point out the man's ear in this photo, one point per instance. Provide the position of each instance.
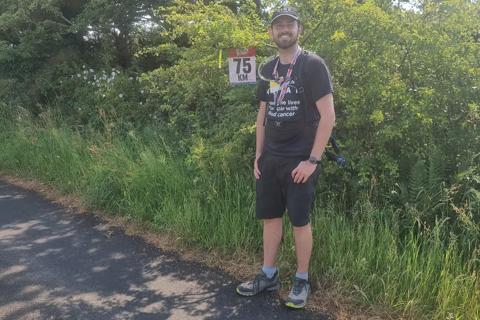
(270, 32)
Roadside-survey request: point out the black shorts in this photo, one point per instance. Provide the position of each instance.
(276, 191)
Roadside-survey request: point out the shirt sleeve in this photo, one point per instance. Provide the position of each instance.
(261, 92)
(319, 79)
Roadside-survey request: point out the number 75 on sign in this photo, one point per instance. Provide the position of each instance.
(241, 66)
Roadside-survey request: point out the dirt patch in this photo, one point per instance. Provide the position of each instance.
(326, 299)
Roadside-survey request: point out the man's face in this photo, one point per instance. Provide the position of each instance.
(284, 32)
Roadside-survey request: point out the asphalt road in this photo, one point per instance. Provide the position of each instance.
(58, 265)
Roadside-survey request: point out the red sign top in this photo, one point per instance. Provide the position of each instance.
(241, 52)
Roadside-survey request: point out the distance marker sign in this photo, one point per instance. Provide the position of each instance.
(241, 66)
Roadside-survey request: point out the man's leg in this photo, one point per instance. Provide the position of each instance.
(270, 207)
(272, 236)
(297, 298)
(303, 247)
(300, 198)
(267, 279)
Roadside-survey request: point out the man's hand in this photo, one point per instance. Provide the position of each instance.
(256, 172)
(303, 171)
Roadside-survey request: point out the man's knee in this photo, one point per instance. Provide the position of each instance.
(272, 221)
(300, 229)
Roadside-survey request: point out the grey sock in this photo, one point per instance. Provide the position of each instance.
(302, 275)
(269, 271)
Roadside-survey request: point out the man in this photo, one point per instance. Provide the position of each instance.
(294, 122)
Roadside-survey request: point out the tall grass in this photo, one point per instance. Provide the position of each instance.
(421, 275)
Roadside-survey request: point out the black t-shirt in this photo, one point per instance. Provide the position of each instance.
(291, 126)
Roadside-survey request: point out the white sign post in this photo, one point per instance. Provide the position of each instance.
(241, 66)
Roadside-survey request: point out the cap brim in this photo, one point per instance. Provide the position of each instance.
(285, 14)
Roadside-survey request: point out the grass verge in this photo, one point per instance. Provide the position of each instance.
(417, 276)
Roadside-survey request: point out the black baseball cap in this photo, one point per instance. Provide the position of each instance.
(285, 11)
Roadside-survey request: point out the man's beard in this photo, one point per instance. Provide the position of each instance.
(286, 43)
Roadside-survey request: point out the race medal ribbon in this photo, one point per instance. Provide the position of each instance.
(283, 82)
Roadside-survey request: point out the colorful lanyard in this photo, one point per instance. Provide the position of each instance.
(283, 82)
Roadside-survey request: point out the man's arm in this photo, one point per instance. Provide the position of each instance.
(327, 112)
(260, 137)
(327, 121)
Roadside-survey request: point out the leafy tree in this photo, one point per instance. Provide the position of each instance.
(115, 24)
(44, 42)
(34, 38)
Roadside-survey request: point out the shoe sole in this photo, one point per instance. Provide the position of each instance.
(246, 294)
(295, 306)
